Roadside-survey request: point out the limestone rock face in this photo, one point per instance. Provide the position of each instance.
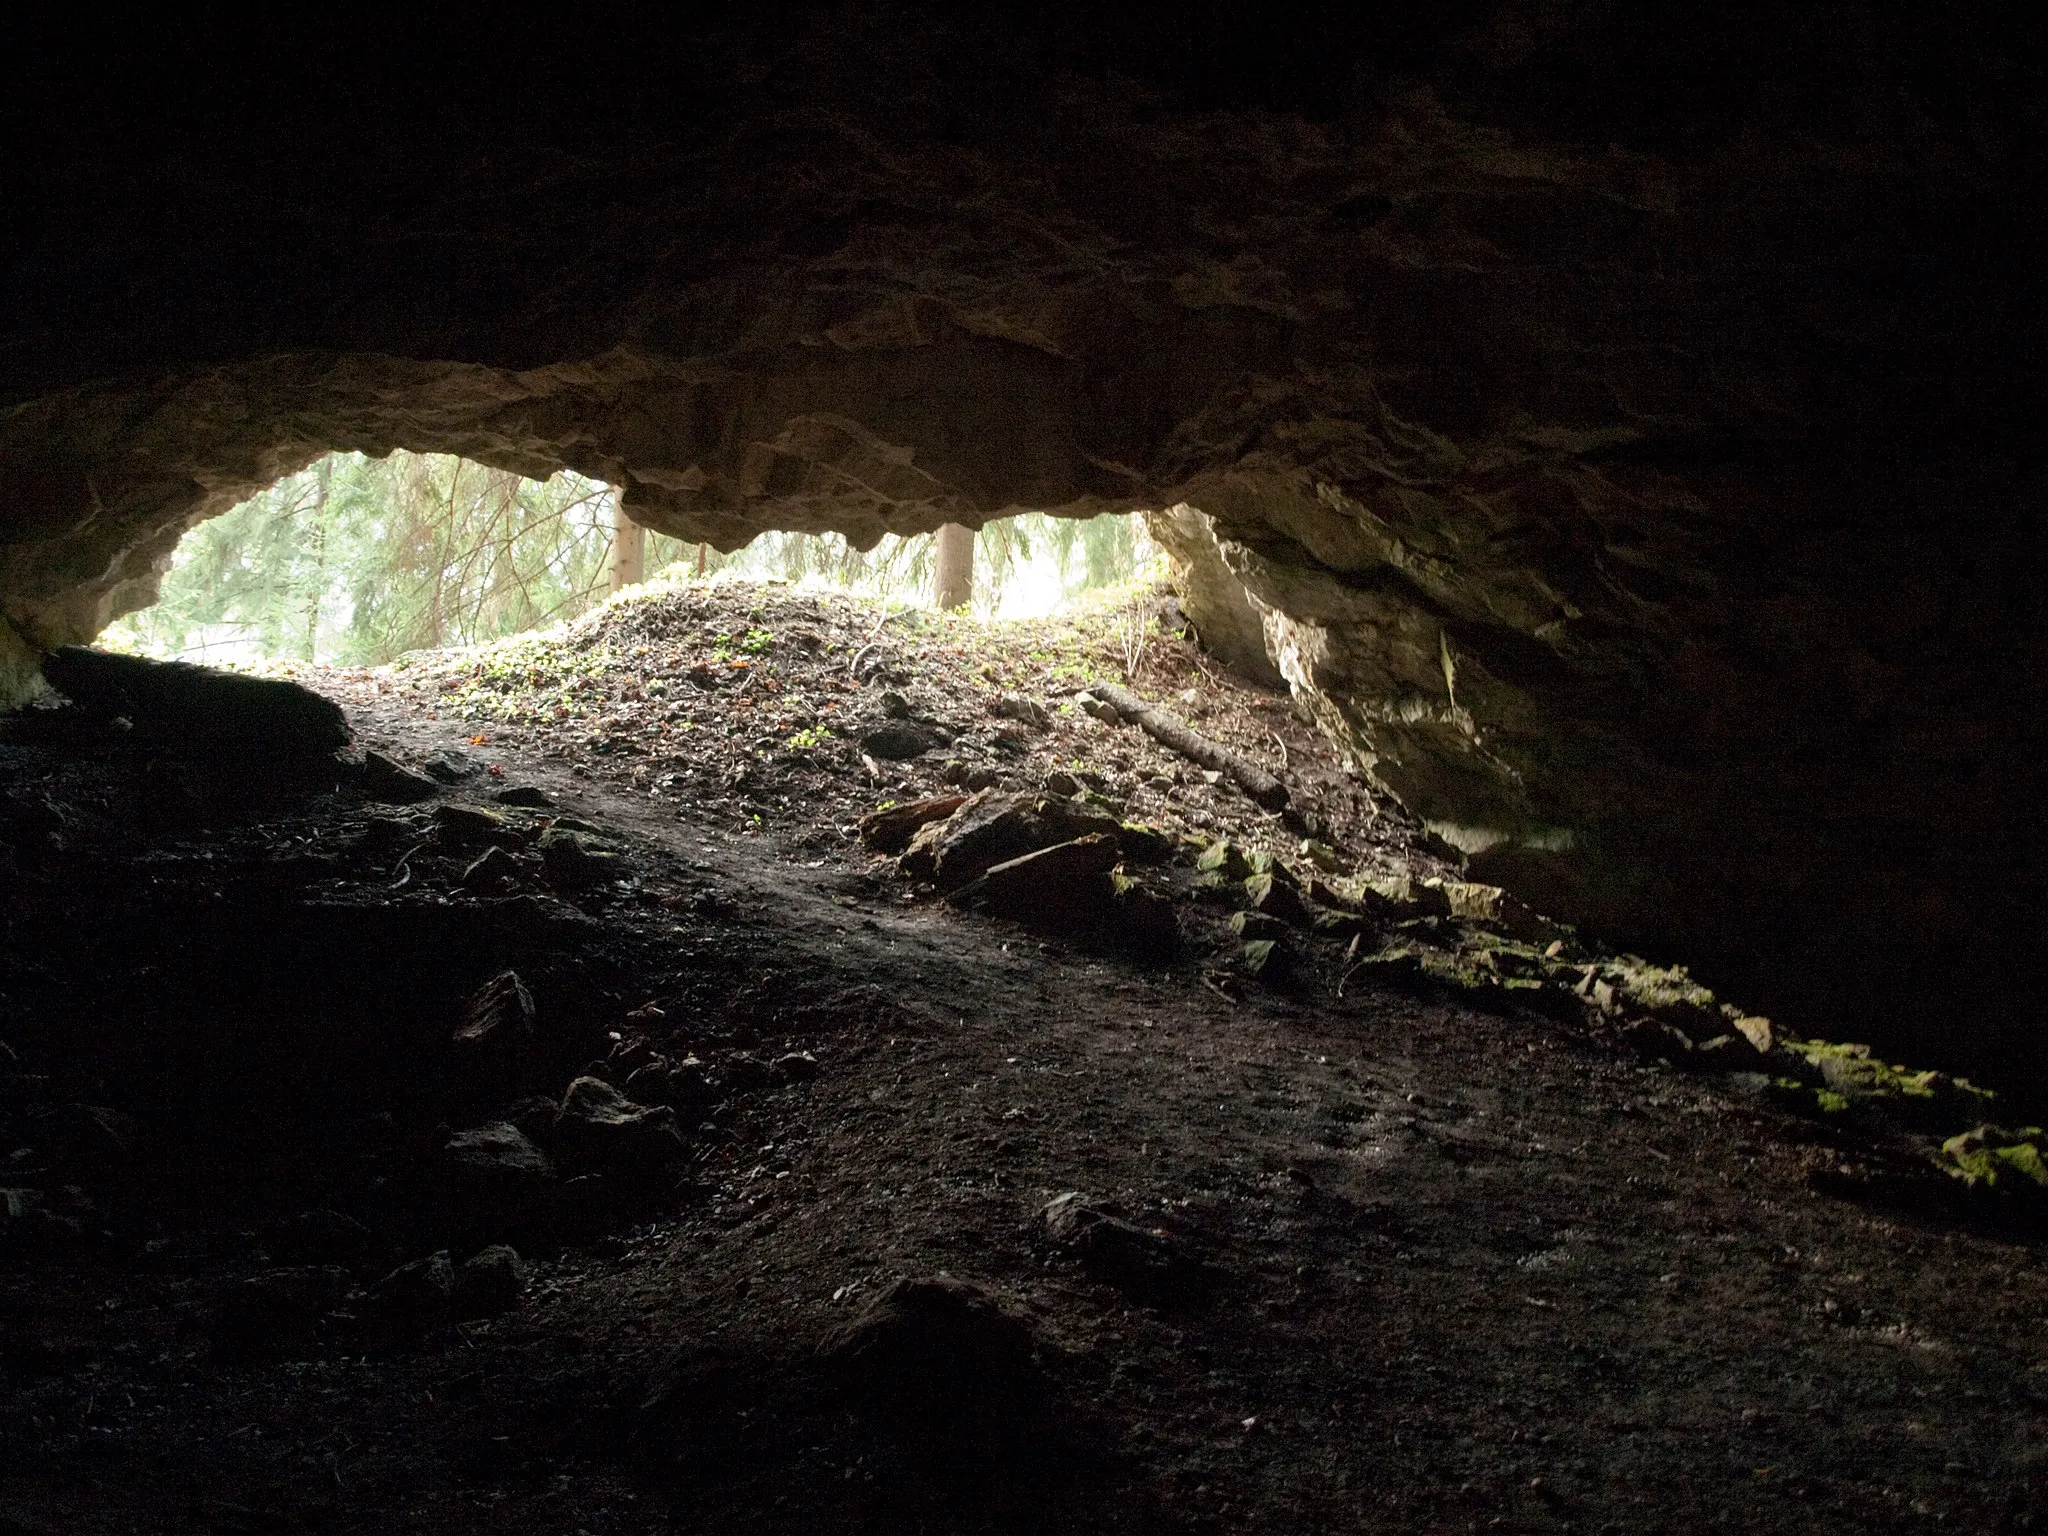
(1624, 436)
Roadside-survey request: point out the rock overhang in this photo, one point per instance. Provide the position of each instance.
(1655, 517)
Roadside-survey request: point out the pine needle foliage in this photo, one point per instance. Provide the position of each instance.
(357, 560)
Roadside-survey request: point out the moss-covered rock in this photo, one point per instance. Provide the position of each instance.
(1991, 1157)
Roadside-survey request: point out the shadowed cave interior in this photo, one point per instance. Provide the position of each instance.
(1602, 443)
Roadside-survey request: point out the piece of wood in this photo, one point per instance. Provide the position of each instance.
(1172, 732)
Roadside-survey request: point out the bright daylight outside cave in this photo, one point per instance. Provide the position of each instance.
(885, 767)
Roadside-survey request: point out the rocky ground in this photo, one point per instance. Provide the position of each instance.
(569, 1111)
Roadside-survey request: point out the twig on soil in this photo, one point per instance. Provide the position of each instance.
(1350, 970)
(1130, 634)
(1171, 731)
(403, 868)
(1281, 745)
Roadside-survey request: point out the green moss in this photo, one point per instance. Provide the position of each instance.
(1992, 1157)
(1225, 860)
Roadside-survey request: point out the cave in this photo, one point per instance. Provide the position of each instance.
(1607, 436)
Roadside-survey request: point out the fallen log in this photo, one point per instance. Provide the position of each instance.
(1176, 734)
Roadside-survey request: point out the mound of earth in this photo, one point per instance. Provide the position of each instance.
(570, 1110)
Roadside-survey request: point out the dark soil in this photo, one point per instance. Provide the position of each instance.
(1353, 1248)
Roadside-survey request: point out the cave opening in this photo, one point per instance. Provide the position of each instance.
(1149, 771)
(356, 561)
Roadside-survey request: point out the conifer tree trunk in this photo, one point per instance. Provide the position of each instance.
(316, 541)
(629, 549)
(953, 567)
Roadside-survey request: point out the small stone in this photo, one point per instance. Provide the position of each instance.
(1400, 897)
(1147, 1259)
(900, 740)
(500, 1010)
(527, 796)
(413, 1298)
(450, 766)
(1144, 844)
(318, 1237)
(600, 1125)
(1060, 782)
(1224, 859)
(489, 1282)
(392, 783)
(1339, 925)
(1321, 855)
(1014, 706)
(891, 830)
(469, 826)
(743, 1072)
(1275, 897)
(1263, 957)
(794, 1067)
(498, 1150)
(494, 870)
(278, 1312)
(686, 1084)
(1257, 925)
(570, 864)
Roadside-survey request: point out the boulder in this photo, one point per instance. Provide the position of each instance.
(1065, 886)
(200, 711)
(992, 828)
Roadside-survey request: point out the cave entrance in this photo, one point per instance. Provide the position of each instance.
(356, 560)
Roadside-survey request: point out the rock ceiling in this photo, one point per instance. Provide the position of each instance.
(1653, 511)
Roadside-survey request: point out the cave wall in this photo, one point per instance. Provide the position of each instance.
(1624, 435)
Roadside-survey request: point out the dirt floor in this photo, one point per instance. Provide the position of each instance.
(383, 1154)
